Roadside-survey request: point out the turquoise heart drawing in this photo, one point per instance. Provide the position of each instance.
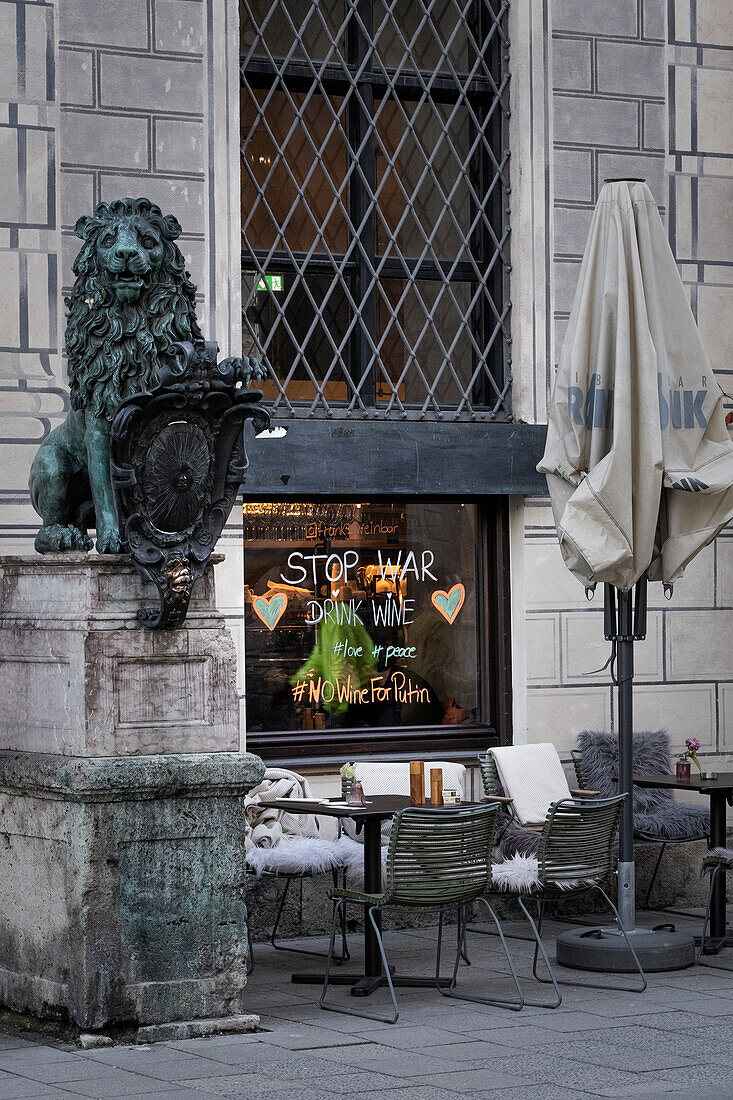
(270, 611)
(449, 603)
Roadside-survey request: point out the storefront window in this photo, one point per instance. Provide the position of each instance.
(361, 616)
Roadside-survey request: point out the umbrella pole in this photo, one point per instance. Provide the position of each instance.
(604, 948)
(625, 663)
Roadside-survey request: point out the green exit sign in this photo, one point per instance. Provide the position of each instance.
(274, 282)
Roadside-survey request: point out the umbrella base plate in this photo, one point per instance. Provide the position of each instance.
(604, 949)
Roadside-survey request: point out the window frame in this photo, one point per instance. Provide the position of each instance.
(488, 395)
(493, 617)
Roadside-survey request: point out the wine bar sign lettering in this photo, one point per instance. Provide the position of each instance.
(394, 609)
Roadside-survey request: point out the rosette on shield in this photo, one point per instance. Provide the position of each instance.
(177, 476)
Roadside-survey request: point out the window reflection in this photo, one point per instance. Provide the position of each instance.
(421, 324)
(425, 206)
(424, 35)
(294, 185)
(302, 327)
(298, 29)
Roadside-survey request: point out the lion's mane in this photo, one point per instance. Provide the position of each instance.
(116, 349)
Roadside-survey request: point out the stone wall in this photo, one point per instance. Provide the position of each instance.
(132, 81)
(99, 97)
(608, 102)
(645, 91)
(32, 391)
(700, 168)
(102, 99)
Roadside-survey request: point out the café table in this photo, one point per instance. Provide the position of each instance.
(719, 791)
(369, 818)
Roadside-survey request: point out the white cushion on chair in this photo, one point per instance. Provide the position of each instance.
(533, 776)
(353, 857)
(380, 777)
(297, 855)
(389, 777)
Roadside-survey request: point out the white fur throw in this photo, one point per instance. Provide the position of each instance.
(353, 857)
(297, 855)
(520, 874)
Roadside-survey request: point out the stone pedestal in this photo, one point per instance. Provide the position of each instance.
(122, 886)
(121, 831)
(80, 677)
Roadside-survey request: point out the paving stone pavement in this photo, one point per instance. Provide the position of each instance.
(676, 1039)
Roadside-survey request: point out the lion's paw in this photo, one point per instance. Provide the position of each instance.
(81, 540)
(54, 539)
(257, 371)
(109, 541)
(244, 371)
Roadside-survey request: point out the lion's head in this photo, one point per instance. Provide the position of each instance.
(132, 298)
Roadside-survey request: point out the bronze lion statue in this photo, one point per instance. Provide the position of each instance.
(131, 301)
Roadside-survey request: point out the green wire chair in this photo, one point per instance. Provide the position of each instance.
(575, 855)
(436, 858)
(489, 774)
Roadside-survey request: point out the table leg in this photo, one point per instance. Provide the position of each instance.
(363, 985)
(717, 840)
(372, 885)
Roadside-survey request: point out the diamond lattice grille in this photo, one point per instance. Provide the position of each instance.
(375, 178)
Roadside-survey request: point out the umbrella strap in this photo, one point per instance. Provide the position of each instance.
(611, 662)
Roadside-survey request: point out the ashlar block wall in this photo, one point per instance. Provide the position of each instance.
(132, 95)
(101, 99)
(639, 88)
(32, 391)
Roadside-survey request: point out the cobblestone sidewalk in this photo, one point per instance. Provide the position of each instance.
(672, 1040)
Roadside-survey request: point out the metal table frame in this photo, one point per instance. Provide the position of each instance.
(720, 792)
(370, 817)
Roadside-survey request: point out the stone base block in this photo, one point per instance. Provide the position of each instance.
(122, 886)
(79, 675)
(197, 1029)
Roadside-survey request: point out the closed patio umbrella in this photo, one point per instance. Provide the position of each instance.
(638, 458)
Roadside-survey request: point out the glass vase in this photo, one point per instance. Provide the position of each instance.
(683, 771)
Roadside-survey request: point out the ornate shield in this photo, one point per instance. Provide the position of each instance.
(178, 459)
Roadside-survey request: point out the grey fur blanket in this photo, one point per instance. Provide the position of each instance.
(513, 839)
(657, 813)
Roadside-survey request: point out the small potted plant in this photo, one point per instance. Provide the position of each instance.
(692, 746)
(348, 773)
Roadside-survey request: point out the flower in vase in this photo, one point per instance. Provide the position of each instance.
(692, 747)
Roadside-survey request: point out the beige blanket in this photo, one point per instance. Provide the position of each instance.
(266, 827)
